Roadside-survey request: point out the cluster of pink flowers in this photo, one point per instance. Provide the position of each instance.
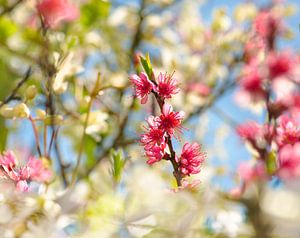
(267, 24)
(55, 11)
(271, 76)
(265, 66)
(157, 139)
(33, 170)
(280, 141)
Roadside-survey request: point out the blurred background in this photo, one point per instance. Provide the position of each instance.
(117, 194)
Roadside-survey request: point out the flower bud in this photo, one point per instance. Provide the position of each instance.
(6, 111)
(21, 111)
(31, 92)
(41, 114)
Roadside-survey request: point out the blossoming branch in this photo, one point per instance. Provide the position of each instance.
(157, 139)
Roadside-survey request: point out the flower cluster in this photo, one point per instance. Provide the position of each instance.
(277, 149)
(33, 170)
(271, 76)
(157, 139)
(265, 66)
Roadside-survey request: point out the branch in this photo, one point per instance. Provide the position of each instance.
(10, 8)
(13, 94)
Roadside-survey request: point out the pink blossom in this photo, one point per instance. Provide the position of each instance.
(169, 121)
(8, 160)
(279, 63)
(34, 170)
(191, 159)
(236, 192)
(166, 85)
(154, 134)
(22, 186)
(200, 88)
(248, 172)
(38, 171)
(55, 11)
(266, 24)
(249, 131)
(252, 80)
(293, 101)
(155, 153)
(289, 161)
(288, 131)
(143, 86)
(190, 184)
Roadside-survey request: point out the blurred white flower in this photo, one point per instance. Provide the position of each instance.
(228, 222)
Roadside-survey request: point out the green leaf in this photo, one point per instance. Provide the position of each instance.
(118, 163)
(7, 28)
(271, 163)
(94, 11)
(3, 134)
(147, 65)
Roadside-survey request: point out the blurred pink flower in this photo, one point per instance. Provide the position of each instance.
(8, 160)
(249, 172)
(34, 170)
(252, 79)
(249, 131)
(293, 101)
(236, 192)
(266, 24)
(200, 88)
(38, 171)
(289, 161)
(280, 63)
(191, 159)
(143, 86)
(22, 186)
(166, 85)
(55, 11)
(169, 121)
(288, 131)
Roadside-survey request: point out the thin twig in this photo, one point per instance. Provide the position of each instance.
(36, 134)
(13, 94)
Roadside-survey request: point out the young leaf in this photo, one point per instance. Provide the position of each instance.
(147, 65)
(118, 163)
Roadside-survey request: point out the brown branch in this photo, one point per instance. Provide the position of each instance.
(36, 135)
(13, 94)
